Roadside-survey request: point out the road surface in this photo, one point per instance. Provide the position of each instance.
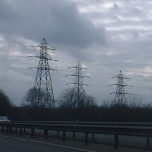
(9, 143)
(14, 144)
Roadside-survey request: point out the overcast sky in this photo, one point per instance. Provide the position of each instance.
(105, 35)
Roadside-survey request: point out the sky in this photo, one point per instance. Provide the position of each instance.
(106, 36)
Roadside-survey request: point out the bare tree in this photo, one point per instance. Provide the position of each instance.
(5, 104)
(68, 99)
(89, 101)
(32, 100)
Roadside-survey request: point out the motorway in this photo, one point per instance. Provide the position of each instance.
(14, 144)
(9, 143)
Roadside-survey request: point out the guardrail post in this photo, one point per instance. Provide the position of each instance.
(73, 135)
(86, 138)
(116, 142)
(20, 131)
(6, 130)
(58, 135)
(46, 133)
(11, 130)
(92, 136)
(24, 130)
(63, 136)
(32, 132)
(16, 129)
(2, 129)
(148, 141)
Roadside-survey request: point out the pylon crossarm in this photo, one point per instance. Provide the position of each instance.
(119, 77)
(70, 83)
(119, 84)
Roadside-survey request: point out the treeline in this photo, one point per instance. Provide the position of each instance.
(112, 113)
(89, 111)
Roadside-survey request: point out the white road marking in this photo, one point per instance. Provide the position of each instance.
(84, 150)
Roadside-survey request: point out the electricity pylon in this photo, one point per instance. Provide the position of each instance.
(120, 94)
(78, 84)
(43, 90)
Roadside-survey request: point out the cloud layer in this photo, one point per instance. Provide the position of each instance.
(106, 36)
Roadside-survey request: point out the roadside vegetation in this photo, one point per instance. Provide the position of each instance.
(69, 111)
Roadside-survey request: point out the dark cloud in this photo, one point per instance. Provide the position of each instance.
(59, 21)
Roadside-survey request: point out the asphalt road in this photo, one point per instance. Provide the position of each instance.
(14, 144)
(9, 143)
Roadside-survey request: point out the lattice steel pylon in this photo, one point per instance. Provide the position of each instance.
(43, 91)
(120, 94)
(78, 84)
